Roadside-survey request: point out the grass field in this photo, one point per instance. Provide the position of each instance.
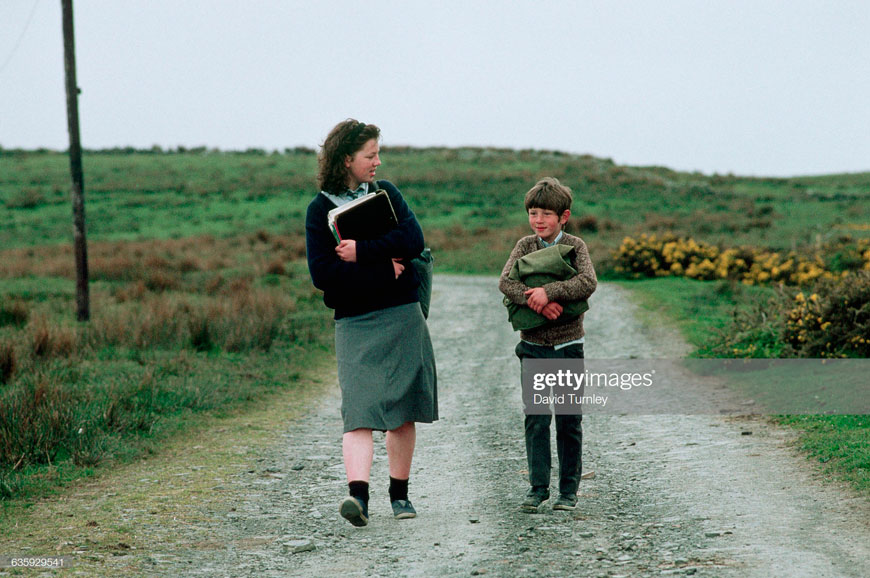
(458, 195)
(201, 300)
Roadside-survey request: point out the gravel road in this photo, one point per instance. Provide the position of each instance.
(671, 494)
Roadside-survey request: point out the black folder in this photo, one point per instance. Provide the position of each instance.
(362, 219)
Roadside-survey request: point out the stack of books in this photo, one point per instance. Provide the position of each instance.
(367, 217)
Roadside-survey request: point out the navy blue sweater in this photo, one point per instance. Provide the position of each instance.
(370, 283)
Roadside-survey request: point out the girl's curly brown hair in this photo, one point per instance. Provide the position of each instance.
(345, 139)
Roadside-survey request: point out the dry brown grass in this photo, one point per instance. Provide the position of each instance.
(50, 340)
(135, 260)
(458, 238)
(121, 267)
(234, 316)
(276, 267)
(8, 360)
(14, 313)
(214, 284)
(131, 292)
(159, 281)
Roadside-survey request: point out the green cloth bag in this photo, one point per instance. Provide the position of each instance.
(536, 270)
(423, 264)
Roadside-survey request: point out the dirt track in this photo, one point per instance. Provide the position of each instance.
(671, 494)
(685, 495)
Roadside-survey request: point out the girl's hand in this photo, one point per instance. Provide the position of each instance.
(536, 299)
(398, 267)
(346, 250)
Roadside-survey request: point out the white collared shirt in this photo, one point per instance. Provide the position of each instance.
(556, 240)
(348, 195)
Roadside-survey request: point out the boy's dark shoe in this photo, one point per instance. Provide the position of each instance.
(354, 511)
(565, 502)
(535, 498)
(403, 509)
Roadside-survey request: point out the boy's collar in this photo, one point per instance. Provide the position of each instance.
(556, 240)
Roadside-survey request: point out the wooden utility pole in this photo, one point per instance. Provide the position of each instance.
(83, 312)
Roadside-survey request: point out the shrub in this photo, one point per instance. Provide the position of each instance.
(652, 256)
(834, 321)
(755, 331)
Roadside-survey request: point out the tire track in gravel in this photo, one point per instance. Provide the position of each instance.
(685, 495)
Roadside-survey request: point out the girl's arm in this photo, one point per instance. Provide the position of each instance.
(328, 271)
(403, 242)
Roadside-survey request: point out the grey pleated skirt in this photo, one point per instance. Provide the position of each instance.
(386, 369)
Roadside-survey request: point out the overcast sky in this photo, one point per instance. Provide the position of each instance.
(753, 87)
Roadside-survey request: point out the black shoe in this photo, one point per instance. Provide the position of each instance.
(354, 511)
(403, 509)
(535, 498)
(565, 502)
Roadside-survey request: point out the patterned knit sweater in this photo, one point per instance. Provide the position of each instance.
(581, 286)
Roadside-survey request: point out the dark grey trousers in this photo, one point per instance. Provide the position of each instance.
(569, 431)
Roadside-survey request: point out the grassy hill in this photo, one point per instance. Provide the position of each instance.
(461, 196)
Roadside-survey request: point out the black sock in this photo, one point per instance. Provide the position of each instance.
(398, 489)
(359, 490)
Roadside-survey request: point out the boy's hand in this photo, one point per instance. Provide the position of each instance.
(536, 299)
(346, 250)
(552, 311)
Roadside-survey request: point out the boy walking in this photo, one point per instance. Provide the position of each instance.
(559, 336)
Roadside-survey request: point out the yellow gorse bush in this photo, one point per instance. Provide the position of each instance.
(668, 255)
(804, 318)
(835, 322)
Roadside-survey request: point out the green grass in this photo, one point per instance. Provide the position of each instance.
(469, 192)
(125, 404)
(701, 309)
(839, 443)
(154, 196)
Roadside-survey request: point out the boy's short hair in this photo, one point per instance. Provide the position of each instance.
(549, 194)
